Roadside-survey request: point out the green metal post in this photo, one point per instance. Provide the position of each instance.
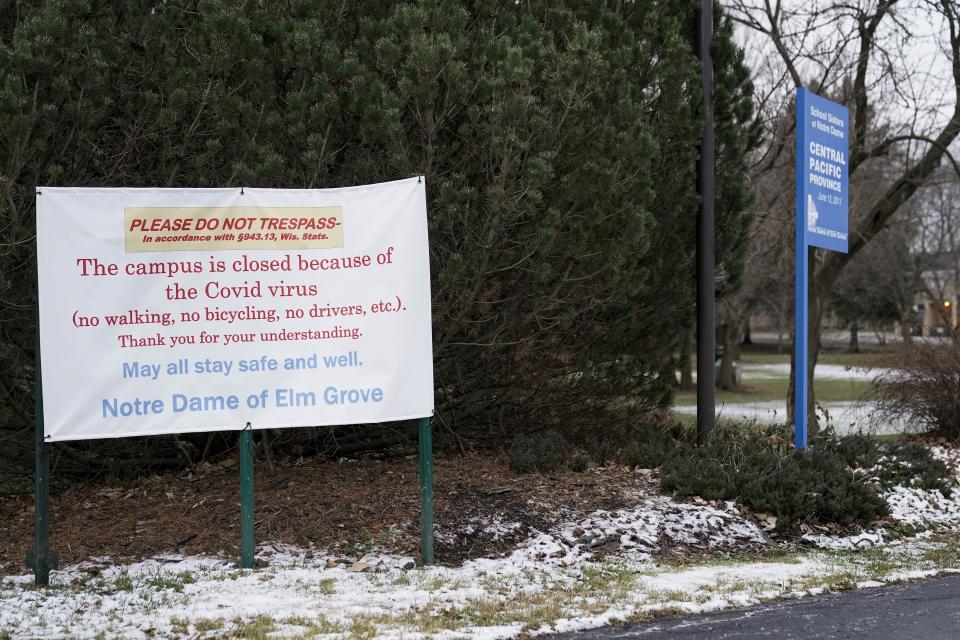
(41, 559)
(426, 492)
(246, 498)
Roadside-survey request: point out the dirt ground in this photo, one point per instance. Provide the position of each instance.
(346, 507)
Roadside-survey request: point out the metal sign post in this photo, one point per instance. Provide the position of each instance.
(800, 341)
(706, 254)
(823, 142)
(40, 558)
(246, 498)
(426, 491)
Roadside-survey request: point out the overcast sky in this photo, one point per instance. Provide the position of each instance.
(910, 79)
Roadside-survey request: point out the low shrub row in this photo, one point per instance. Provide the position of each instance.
(838, 479)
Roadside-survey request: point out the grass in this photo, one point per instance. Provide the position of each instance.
(869, 356)
(258, 628)
(173, 581)
(312, 627)
(774, 388)
(206, 625)
(777, 555)
(327, 586)
(179, 626)
(770, 389)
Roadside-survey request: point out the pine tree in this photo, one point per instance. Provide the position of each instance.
(559, 141)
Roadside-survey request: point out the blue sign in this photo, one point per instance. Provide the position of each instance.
(823, 143)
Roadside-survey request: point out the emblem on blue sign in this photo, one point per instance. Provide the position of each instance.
(812, 214)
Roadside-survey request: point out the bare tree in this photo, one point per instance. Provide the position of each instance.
(896, 64)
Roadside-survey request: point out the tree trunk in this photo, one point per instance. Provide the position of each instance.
(814, 316)
(686, 362)
(730, 339)
(906, 331)
(854, 346)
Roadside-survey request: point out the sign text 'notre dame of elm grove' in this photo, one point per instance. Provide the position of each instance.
(184, 310)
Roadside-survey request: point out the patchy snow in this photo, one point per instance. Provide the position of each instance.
(639, 530)
(592, 571)
(164, 596)
(702, 524)
(844, 417)
(949, 456)
(918, 507)
(300, 593)
(480, 527)
(495, 528)
(756, 371)
(926, 510)
(862, 540)
(661, 517)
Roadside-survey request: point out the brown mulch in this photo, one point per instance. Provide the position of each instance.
(346, 508)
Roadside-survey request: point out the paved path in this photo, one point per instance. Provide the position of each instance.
(925, 610)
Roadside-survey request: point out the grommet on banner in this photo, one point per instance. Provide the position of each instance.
(241, 193)
(419, 179)
(39, 193)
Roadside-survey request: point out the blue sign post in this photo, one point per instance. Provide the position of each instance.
(823, 142)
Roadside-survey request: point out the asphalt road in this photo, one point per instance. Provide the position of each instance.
(927, 610)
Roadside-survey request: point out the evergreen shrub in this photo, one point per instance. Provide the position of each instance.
(759, 466)
(558, 139)
(649, 447)
(837, 480)
(538, 452)
(891, 463)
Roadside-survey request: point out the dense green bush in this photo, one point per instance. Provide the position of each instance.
(539, 452)
(558, 138)
(836, 480)
(650, 446)
(891, 463)
(759, 467)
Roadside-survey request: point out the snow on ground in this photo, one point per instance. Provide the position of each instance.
(927, 511)
(756, 371)
(593, 571)
(300, 594)
(640, 531)
(303, 591)
(491, 528)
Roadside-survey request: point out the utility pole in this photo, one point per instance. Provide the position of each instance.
(706, 263)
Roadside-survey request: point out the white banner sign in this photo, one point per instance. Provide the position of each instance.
(179, 310)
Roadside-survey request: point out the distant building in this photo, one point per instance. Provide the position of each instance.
(935, 305)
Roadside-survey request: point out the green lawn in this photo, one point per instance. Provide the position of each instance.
(870, 356)
(767, 389)
(775, 388)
